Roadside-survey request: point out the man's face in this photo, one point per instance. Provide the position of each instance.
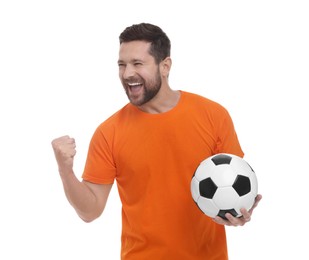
(138, 72)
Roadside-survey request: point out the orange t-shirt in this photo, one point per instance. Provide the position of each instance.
(153, 158)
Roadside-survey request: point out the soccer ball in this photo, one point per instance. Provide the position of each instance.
(224, 183)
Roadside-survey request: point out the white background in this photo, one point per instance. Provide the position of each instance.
(59, 75)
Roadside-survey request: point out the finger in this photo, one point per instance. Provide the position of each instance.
(246, 215)
(60, 140)
(71, 141)
(221, 221)
(258, 198)
(234, 221)
(256, 202)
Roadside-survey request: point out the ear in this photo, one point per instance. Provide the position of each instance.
(165, 66)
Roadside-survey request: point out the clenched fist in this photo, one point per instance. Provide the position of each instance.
(64, 149)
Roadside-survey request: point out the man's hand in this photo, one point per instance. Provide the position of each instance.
(64, 149)
(233, 221)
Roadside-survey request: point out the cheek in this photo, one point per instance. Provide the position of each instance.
(121, 78)
(148, 74)
(120, 73)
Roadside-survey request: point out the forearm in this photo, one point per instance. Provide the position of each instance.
(81, 197)
(87, 199)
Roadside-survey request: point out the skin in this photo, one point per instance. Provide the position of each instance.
(136, 65)
(146, 85)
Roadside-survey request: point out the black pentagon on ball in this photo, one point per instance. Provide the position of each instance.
(222, 213)
(221, 159)
(242, 185)
(207, 188)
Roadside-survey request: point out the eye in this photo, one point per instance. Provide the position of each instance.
(138, 64)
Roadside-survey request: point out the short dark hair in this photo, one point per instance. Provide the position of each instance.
(160, 43)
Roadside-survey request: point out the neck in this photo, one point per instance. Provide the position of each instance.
(165, 100)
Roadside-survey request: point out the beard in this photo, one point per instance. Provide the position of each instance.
(149, 89)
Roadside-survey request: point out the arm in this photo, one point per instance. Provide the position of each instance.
(228, 143)
(88, 199)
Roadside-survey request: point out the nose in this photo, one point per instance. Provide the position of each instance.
(128, 72)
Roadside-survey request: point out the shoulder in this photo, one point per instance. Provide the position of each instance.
(202, 102)
(117, 118)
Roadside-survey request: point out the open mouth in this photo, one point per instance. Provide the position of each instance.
(135, 88)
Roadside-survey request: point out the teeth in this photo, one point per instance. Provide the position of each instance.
(134, 84)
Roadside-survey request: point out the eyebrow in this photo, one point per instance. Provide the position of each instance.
(132, 61)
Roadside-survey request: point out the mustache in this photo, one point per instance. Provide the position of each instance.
(132, 81)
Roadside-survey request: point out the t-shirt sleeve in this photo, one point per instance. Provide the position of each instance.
(227, 139)
(99, 167)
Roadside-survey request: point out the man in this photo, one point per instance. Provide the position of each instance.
(151, 147)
